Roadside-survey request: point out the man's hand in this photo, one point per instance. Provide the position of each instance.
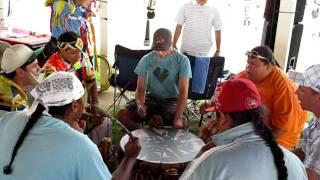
(156, 121)
(205, 148)
(142, 110)
(203, 107)
(132, 148)
(217, 53)
(178, 123)
(208, 130)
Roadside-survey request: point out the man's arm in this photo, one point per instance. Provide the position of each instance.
(298, 152)
(94, 93)
(140, 97)
(131, 150)
(312, 175)
(182, 100)
(218, 42)
(176, 35)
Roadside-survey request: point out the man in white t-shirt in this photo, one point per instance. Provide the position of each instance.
(198, 18)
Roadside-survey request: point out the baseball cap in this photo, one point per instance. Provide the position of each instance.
(162, 40)
(310, 78)
(58, 89)
(235, 95)
(3, 46)
(18, 55)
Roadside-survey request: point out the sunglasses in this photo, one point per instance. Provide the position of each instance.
(255, 54)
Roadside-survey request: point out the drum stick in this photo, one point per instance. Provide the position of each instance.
(123, 126)
(125, 129)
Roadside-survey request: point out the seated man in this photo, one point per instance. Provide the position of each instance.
(164, 73)
(277, 92)
(309, 96)
(243, 146)
(70, 58)
(40, 144)
(285, 116)
(20, 70)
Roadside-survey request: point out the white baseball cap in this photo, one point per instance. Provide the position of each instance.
(3, 46)
(16, 56)
(310, 78)
(58, 89)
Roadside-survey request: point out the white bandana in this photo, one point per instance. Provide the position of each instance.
(57, 89)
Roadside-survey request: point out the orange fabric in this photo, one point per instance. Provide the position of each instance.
(278, 96)
(56, 61)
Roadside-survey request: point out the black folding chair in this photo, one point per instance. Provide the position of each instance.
(215, 73)
(124, 78)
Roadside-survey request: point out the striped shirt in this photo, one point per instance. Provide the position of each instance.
(197, 33)
(310, 145)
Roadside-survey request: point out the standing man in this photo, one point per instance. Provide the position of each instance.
(198, 18)
(66, 15)
(309, 97)
(164, 73)
(20, 69)
(75, 16)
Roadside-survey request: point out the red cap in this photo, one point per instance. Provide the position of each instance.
(235, 95)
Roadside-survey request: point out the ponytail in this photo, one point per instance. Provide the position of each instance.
(256, 116)
(31, 122)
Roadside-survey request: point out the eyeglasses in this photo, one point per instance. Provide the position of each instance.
(255, 54)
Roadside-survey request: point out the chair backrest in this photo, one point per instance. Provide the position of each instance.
(126, 61)
(214, 73)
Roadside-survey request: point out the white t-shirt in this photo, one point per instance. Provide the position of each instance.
(197, 32)
(52, 150)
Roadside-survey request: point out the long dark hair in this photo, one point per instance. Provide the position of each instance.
(31, 122)
(68, 36)
(256, 116)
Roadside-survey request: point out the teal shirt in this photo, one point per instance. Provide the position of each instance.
(52, 150)
(241, 154)
(162, 75)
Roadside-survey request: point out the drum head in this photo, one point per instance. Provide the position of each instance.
(166, 146)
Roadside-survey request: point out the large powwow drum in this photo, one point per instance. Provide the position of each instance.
(164, 154)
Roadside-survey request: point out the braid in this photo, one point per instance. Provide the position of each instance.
(267, 136)
(32, 120)
(256, 116)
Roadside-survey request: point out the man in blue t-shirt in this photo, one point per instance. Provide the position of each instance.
(162, 86)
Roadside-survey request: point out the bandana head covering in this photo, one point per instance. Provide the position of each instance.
(57, 89)
(78, 44)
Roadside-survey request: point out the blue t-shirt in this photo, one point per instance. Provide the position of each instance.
(52, 150)
(162, 75)
(241, 154)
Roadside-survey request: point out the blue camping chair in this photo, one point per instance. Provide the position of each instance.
(215, 73)
(124, 78)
